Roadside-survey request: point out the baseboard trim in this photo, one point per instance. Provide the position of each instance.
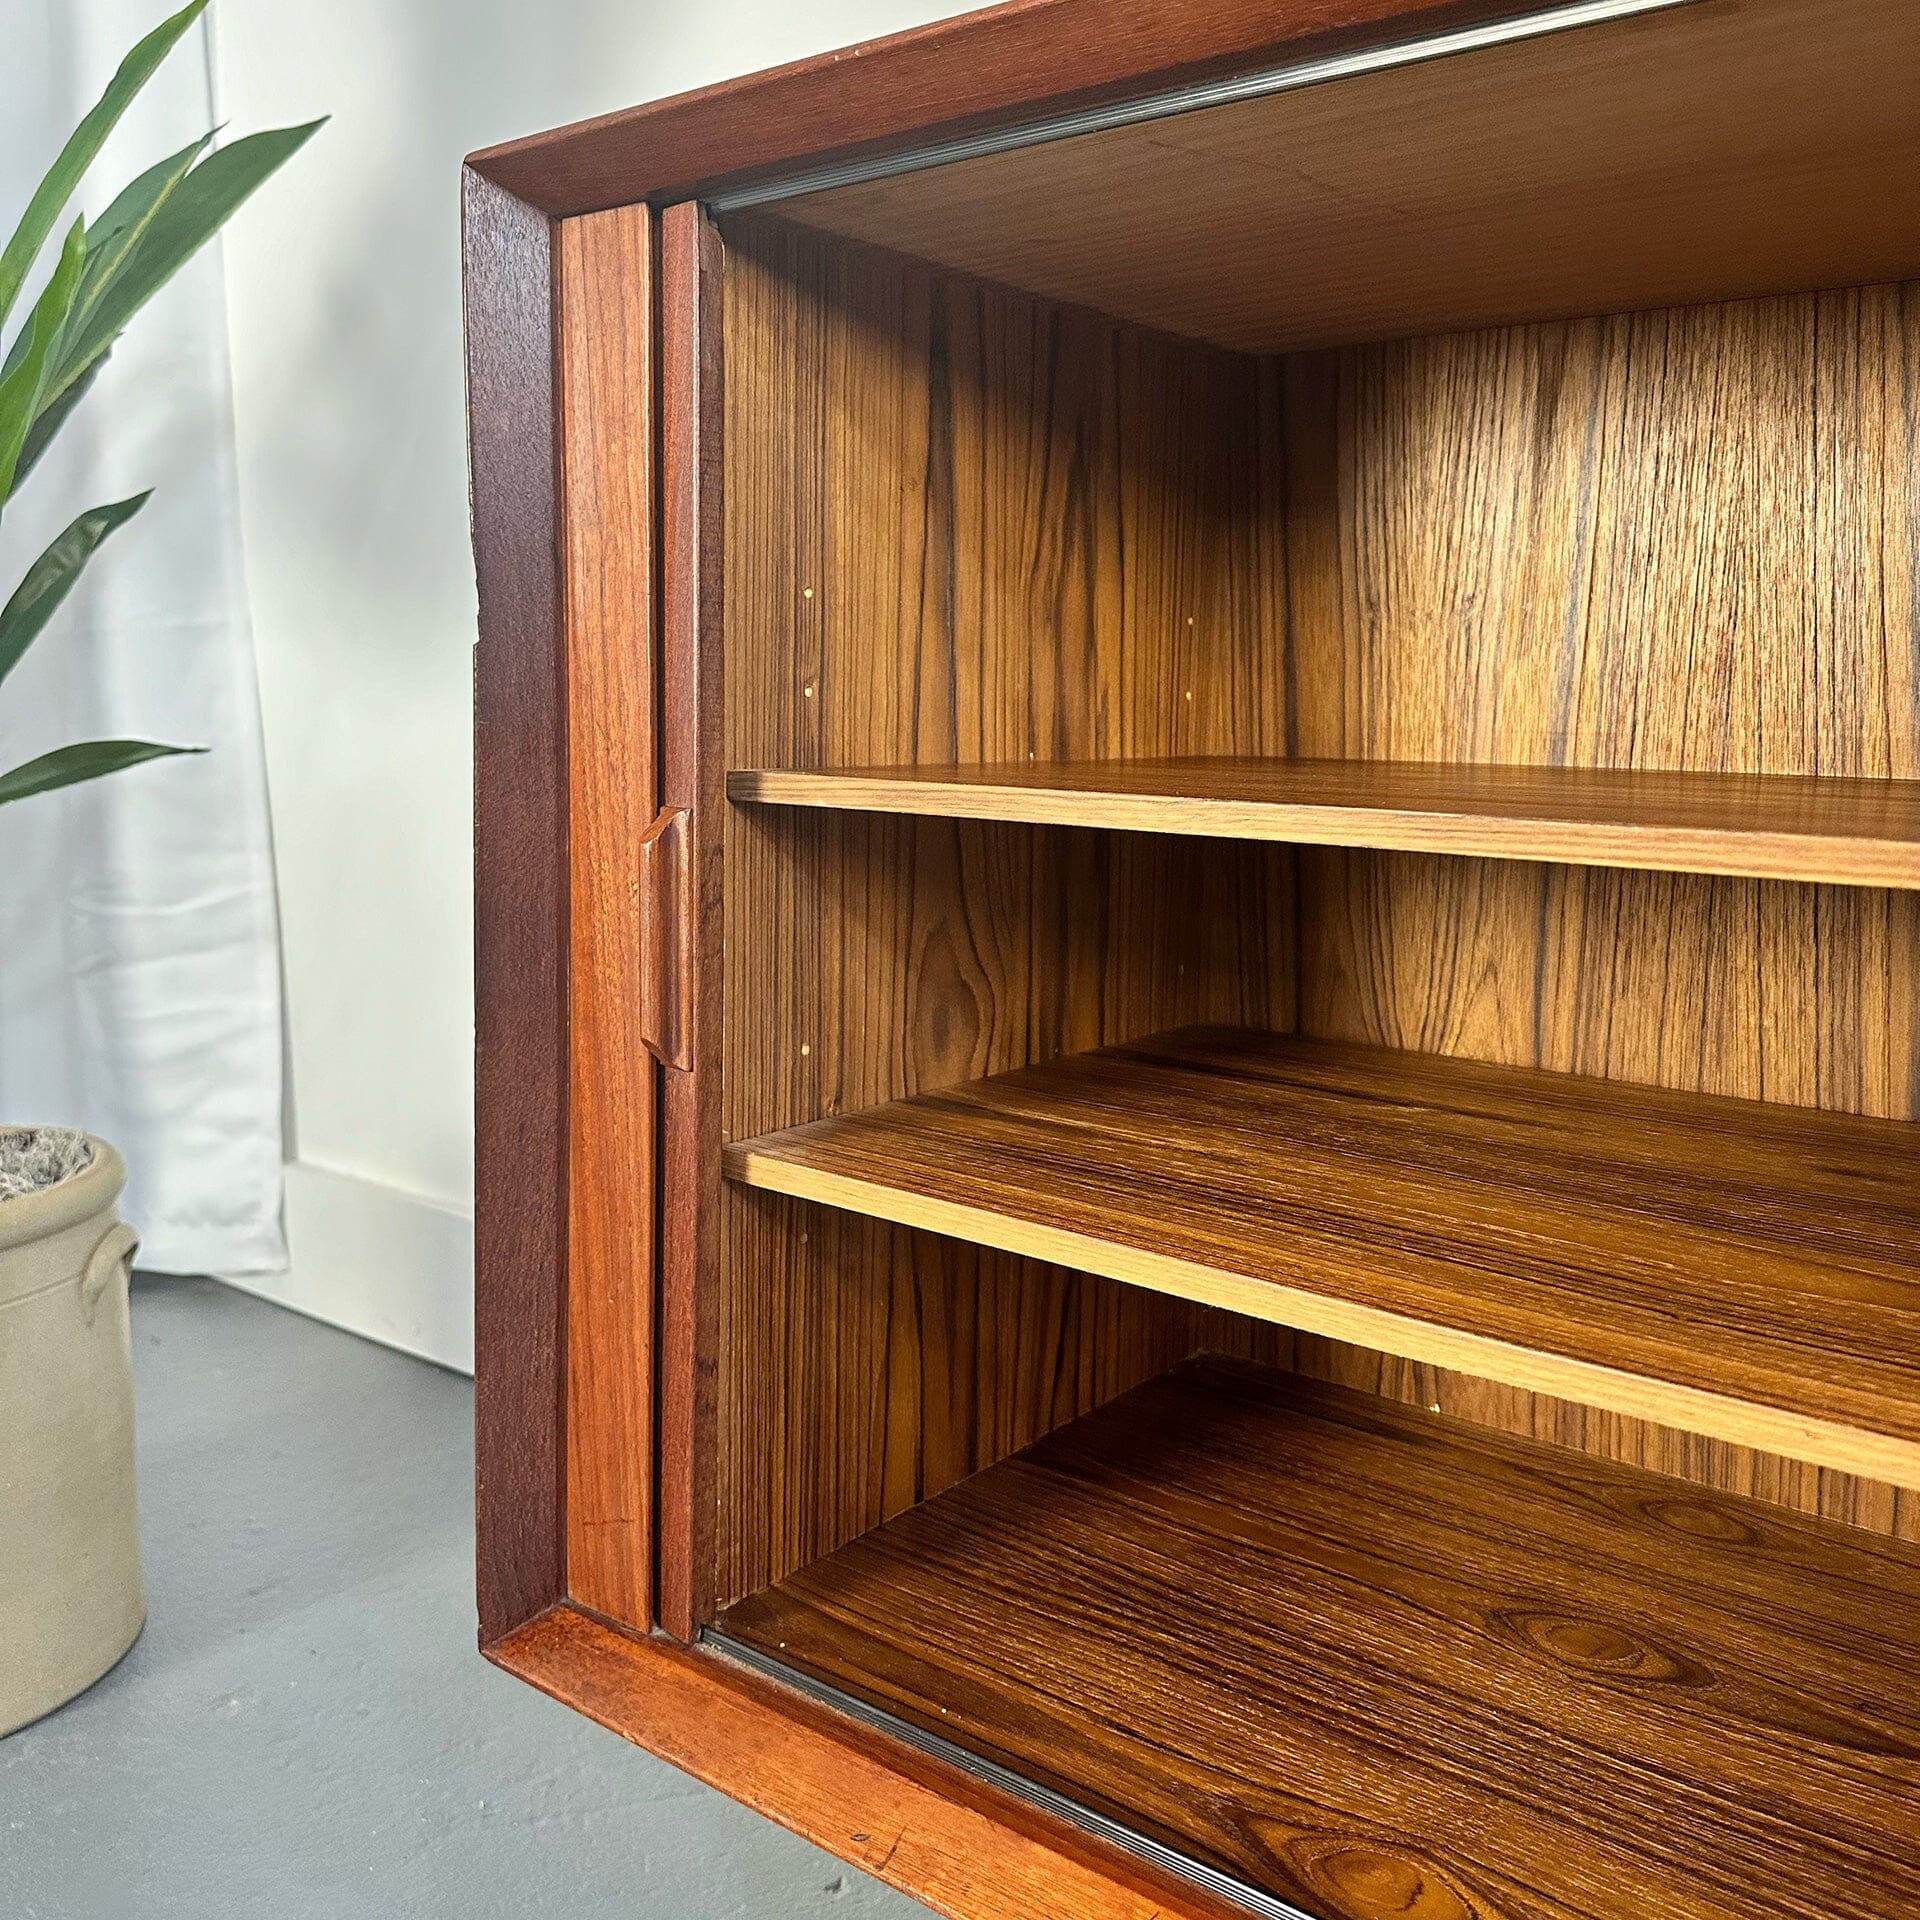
(386, 1264)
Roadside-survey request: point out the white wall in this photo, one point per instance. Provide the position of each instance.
(343, 284)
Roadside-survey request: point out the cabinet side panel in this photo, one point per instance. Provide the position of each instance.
(963, 525)
(606, 284)
(520, 913)
(1683, 539)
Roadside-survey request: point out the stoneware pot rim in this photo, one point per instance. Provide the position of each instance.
(33, 1216)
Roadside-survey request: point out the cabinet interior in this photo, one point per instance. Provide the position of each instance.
(985, 541)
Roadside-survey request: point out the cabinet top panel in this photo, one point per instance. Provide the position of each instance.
(1011, 67)
(1652, 158)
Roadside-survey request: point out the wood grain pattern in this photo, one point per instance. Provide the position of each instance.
(919, 1823)
(1532, 547)
(859, 1369)
(521, 884)
(887, 1365)
(1379, 1663)
(1448, 592)
(1743, 1271)
(605, 296)
(946, 508)
(1768, 826)
(975, 527)
(1001, 64)
(692, 765)
(1594, 171)
(1679, 540)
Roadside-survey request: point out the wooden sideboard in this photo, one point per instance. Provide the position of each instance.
(1198, 818)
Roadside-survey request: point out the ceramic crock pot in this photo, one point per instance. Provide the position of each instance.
(71, 1601)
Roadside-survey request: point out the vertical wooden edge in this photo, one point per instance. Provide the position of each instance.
(693, 777)
(605, 283)
(966, 1848)
(520, 910)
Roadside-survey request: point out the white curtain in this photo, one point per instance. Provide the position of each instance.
(139, 950)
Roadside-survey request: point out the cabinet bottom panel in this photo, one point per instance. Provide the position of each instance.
(1371, 1662)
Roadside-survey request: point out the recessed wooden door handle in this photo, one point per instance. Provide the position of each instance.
(666, 937)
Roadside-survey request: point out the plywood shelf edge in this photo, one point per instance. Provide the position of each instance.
(1756, 826)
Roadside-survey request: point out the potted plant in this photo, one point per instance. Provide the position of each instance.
(71, 1601)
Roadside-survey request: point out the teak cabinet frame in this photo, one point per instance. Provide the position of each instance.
(596, 347)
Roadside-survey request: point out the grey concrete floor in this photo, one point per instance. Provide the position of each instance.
(304, 1730)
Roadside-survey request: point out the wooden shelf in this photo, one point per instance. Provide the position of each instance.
(1746, 1271)
(1376, 1663)
(1765, 826)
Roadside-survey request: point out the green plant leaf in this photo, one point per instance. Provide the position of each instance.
(189, 216)
(53, 193)
(110, 240)
(51, 418)
(113, 237)
(84, 760)
(50, 579)
(23, 390)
